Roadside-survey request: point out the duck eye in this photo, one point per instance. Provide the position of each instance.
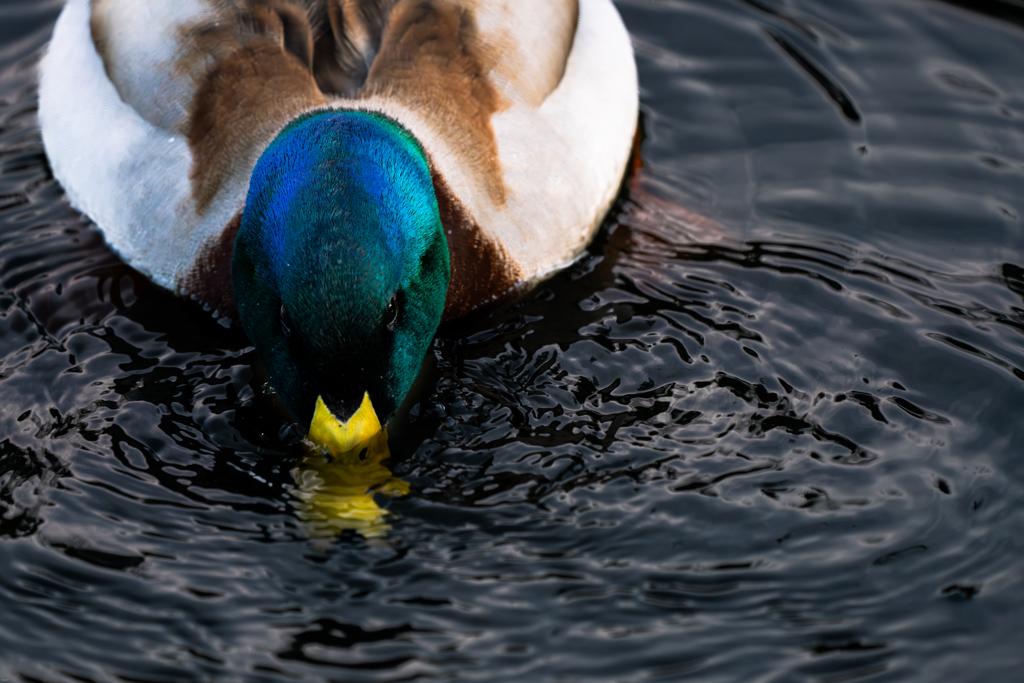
(286, 322)
(391, 315)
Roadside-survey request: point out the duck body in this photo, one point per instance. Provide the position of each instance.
(341, 175)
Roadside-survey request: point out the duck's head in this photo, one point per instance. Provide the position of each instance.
(341, 266)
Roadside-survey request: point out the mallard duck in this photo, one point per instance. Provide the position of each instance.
(341, 176)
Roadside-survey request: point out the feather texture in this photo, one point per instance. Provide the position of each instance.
(155, 113)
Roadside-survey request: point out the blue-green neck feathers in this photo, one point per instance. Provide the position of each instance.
(341, 266)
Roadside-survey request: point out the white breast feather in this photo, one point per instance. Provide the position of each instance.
(562, 162)
(129, 176)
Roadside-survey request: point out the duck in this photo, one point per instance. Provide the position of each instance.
(340, 177)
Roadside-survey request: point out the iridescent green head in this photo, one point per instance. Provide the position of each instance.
(341, 265)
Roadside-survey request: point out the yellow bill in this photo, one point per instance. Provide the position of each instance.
(336, 481)
(328, 432)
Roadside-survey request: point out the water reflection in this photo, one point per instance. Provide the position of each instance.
(335, 491)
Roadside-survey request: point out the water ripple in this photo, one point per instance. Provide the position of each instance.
(770, 435)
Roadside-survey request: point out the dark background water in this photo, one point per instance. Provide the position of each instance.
(780, 444)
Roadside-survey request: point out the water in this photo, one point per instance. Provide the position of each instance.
(773, 436)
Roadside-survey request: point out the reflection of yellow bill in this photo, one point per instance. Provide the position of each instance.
(335, 483)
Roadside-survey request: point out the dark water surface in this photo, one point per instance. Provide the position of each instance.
(781, 444)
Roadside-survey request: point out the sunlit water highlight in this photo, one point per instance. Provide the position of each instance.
(774, 435)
